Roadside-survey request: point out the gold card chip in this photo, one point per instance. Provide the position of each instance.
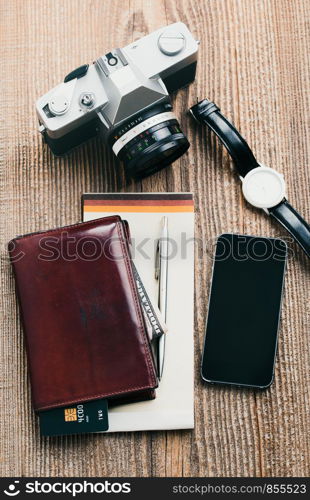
(70, 414)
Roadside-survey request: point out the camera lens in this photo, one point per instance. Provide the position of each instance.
(149, 141)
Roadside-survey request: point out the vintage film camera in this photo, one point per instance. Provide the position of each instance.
(125, 96)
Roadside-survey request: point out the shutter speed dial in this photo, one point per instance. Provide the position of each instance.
(87, 100)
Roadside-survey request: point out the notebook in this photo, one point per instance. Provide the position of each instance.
(173, 407)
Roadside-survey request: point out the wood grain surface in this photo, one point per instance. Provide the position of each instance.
(254, 62)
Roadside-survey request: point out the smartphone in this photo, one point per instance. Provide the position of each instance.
(244, 311)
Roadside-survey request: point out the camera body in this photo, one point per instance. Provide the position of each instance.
(125, 96)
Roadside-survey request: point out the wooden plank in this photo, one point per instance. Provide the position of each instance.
(254, 63)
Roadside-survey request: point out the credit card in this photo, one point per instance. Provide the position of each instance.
(81, 418)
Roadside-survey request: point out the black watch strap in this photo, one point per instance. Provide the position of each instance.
(294, 223)
(207, 112)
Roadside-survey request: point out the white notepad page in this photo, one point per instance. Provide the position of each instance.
(173, 407)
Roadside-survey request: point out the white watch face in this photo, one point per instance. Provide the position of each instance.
(263, 187)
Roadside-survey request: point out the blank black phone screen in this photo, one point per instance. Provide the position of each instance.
(244, 310)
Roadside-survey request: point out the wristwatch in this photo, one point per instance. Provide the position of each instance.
(263, 187)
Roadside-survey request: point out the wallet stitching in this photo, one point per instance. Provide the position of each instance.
(138, 310)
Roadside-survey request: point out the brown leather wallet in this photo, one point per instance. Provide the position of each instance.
(84, 329)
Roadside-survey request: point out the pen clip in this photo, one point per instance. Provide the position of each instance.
(157, 260)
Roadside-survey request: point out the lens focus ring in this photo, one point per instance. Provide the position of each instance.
(149, 141)
(147, 138)
(140, 128)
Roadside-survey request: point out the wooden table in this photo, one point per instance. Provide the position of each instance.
(254, 62)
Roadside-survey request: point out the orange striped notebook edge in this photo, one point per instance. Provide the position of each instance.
(136, 208)
(139, 202)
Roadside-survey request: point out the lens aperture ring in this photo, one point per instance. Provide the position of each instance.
(140, 128)
(147, 139)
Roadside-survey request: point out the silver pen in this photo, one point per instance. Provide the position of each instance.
(161, 273)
